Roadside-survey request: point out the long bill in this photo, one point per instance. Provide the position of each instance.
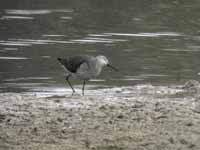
(110, 66)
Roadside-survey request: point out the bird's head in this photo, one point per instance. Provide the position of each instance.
(103, 61)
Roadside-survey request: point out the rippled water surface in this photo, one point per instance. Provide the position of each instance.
(149, 42)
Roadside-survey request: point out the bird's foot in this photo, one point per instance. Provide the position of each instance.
(73, 92)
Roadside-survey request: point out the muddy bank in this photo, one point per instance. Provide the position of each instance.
(142, 117)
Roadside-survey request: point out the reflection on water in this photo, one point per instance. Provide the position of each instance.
(36, 12)
(182, 50)
(15, 17)
(156, 43)
(97, 40)
(52, 35)
(13, 58)
(156, 34)
(14, 43)
(65, 17)
(28, 78)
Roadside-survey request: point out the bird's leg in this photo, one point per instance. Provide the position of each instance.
(84, 81)
(67, 78)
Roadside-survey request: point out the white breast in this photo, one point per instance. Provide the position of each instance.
(89, 70)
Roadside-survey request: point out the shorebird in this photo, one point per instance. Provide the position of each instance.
(84, 67)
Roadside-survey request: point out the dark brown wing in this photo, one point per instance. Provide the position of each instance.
(73, 63)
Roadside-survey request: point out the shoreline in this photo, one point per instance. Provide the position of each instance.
(140, 117)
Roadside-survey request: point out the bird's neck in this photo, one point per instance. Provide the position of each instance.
(98, 67)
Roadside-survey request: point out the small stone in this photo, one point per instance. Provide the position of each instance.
(189, 124)
(183, 141)
(60, 119)
(96, 127)
(120, 116)
(8, 120)
(171, 140)
(63, 131)
(102, 107)
(191, 145)
(110, 122)
(35, 129)
(57, 101)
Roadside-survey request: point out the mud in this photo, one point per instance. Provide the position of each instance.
(141, 117)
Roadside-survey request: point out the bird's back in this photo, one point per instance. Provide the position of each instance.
(73, 63)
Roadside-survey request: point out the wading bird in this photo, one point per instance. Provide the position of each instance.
(84, 67)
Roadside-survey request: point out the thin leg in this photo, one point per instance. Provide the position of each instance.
(67, 78)
(83, 87)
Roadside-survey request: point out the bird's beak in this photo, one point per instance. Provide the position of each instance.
(108, 65)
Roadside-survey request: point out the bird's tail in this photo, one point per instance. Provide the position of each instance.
(60, 60)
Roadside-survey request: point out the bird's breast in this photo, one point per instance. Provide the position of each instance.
(87, 72)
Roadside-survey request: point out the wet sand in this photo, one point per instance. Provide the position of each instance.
(141, 117)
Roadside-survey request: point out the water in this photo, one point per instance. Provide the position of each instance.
(150, 42)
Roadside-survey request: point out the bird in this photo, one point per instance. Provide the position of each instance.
(83, 67)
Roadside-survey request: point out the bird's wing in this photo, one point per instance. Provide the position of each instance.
(84, 67)
(74, 63)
